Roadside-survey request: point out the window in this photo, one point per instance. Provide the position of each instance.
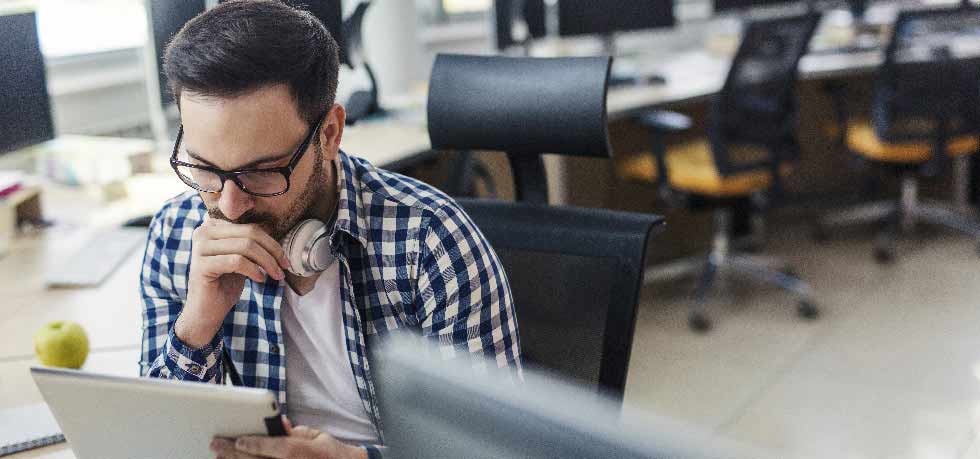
(450, 11)
(457, 7)
(73, 27)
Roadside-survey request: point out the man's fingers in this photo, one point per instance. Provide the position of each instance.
(222, 449)
(275, 447)
(233, 231)
(225, 449)
(247, 247)
(233, 264)
(305, 432)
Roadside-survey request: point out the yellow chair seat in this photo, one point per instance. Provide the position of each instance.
(861, 139)
(692, 169)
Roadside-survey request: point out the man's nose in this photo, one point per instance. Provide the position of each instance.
(233, 202)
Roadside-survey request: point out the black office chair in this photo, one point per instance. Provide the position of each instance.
(362, 103)
(575, 273)
(925, 112)
(751, 141)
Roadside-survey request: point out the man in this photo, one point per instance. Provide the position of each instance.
(260, 144)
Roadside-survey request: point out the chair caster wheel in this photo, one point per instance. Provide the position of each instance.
(884, 256)
(698, 322)
(807, 310)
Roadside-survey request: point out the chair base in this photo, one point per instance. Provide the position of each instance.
(721, 263)
(901, 217)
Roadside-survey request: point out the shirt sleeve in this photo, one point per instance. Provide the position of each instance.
(163, 354)
(375, 451)
(463, 299)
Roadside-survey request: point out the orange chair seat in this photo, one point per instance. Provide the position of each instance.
(861, 139)
(692, 169)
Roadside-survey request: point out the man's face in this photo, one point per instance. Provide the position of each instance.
(261, 129)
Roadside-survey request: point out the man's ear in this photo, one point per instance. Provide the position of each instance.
(332, 131)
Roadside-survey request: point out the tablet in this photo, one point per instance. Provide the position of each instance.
(110, 417)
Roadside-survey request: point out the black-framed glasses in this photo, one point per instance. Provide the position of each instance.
(266, 182)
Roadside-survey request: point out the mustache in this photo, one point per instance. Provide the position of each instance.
(248, 218)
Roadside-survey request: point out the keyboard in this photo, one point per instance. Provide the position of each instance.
(97, 258)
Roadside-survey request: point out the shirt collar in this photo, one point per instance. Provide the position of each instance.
(349, 218)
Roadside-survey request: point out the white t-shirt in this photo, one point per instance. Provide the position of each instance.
(320, 388)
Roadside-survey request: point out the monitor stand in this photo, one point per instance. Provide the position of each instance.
(609, 44)
(627, 79)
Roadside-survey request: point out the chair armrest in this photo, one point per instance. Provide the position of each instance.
(664, 121)
(660, 123)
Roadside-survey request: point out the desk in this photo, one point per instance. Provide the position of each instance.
(111, 313)
(394, 144)
(697, 75)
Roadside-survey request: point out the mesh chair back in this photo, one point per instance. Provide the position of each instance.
(929, 86)
(523, 106)
(757, 104)
(575, 275)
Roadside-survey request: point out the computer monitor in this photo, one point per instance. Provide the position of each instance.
(508, 12)
(25, 108)
(329, 12)
(167, 17)
(431, 407)
(723, 6)
(606, 17)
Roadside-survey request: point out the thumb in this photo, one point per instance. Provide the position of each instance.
(287, 425)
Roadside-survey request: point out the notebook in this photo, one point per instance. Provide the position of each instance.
(27, 427)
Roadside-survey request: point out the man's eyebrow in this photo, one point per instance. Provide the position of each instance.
(250, 165)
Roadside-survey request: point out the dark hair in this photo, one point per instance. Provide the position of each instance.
(243, 45)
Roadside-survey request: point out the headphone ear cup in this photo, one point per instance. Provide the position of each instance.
(295, 262)
(298, 244)
(321, 256)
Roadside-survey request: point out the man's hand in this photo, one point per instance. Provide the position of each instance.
(223, 254)
(301, 443)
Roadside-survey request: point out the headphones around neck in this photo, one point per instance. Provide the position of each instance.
(307, 247)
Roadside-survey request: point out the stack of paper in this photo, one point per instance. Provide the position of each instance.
(27, 427)
(10, 182)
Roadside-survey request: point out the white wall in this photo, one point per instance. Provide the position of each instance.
(106, 93)
(99, 93)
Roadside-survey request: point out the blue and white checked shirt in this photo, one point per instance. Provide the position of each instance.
(410, 258)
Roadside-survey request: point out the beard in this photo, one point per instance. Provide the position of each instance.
(300, 209)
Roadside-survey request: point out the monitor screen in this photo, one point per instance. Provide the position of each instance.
(739, 5)
(330, 14)
(506, 12)
(601, 17)
(25, 118)
(168, 16)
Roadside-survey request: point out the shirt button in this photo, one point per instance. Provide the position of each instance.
(274, 349)
(194, 368)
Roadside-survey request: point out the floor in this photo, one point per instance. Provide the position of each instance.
(891, 369)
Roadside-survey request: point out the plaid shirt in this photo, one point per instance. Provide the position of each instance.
(410, 258)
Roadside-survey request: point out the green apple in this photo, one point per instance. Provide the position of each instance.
(61, 344)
